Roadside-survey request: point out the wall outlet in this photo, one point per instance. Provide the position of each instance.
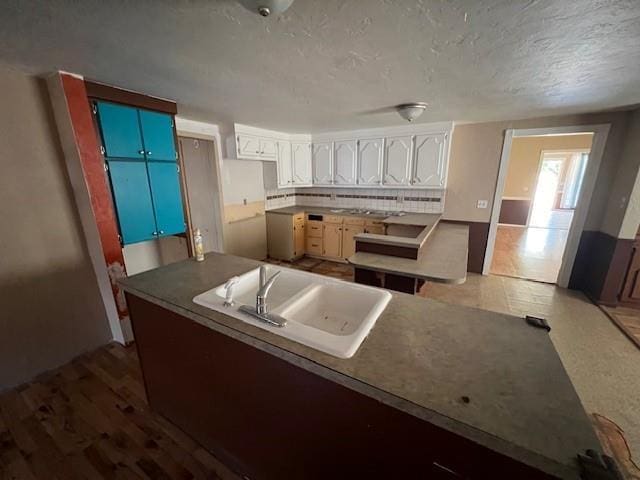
(482, 204)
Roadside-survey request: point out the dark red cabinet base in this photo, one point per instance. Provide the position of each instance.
(268, 419)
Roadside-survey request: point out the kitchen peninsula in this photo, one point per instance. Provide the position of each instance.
(435, 391)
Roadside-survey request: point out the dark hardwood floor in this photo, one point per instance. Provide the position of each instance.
(90, 420)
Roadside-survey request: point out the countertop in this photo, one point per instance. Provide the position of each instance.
(443, 260)
(422, 357)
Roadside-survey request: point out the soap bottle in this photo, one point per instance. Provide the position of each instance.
(198, 245)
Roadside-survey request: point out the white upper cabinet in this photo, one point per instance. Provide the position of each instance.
(285, 172)
(429, 163)
(370, 161)
(301, 163)
(248, 146)
(322, 163)
(268, 148)
(344, 162)
(397, 161)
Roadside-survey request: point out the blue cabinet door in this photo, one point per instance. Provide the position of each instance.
(132, 196)
(120, 129)
(157, 135)
(167, 198)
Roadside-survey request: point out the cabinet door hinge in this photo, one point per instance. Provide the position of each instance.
(178, 168)
(102, 150)
(94, 108)
(176, 155)
(106, 167)
(120, 239)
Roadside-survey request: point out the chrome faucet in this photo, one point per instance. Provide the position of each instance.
(265, 286)
(261, 310)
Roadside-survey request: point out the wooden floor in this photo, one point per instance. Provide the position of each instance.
(90, 420)
(530, 253)
(627, 320)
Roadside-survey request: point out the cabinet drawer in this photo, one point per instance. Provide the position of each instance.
(354, 221)
(332, 219)
(376, 229)
(314, 229)
(298, 218)
(314, 246)
(371, 223)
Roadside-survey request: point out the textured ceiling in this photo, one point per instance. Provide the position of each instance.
(334, 64)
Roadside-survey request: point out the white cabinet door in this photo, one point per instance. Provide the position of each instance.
(301, 163)
(268, 149)
(370, 161)
(248, 146)
(285, 173)
(344, 162)
(322, 168)
(429, 160)
(397, 161)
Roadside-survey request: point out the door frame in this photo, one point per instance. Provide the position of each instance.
(208, 131)
(600, 133)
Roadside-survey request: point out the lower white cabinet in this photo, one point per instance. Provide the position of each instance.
(285, 172)
(345, 157)
(429, 161)
(322, 163)
(397, 161)
(301, 163)
(370, 161)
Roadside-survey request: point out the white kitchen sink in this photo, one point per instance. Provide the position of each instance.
(324, 313)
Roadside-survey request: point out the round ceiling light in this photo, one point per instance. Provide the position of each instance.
(267, 7)
(411, 111)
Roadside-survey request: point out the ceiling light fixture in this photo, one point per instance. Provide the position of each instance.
(411, 111)
(267, 7)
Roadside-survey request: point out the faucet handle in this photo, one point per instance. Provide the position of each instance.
(228, 294)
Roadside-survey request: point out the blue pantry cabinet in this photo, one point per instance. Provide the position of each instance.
(132, 198)
(120, 129)
(140, 152)
(165, 191)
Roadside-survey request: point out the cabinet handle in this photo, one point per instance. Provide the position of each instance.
(155, 234)
(141, 152)
(148, 152)
(161, 232)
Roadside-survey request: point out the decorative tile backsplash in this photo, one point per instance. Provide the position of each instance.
(408, 200)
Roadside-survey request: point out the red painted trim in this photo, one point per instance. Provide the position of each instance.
(92, 164)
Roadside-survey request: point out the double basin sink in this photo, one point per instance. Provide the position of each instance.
(324, 313)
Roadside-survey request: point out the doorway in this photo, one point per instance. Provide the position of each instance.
(545, 182)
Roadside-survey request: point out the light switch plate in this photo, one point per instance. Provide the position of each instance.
(483, 204)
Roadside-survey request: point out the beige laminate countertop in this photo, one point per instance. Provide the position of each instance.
(443, 260)
(422, 357)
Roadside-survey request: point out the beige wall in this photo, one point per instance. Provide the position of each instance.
(525, 158)
(51, 310)
(475, 156)
(627, 180)
(245, 228)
